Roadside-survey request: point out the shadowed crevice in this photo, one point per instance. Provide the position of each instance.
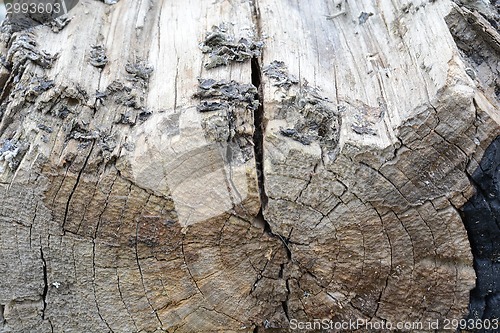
(45, 282)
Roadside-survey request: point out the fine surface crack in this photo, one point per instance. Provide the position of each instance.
(137, 259)
(94, 287)
(45, 281)
(66, 210)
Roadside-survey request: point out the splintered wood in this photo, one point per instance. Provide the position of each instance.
(222, 166)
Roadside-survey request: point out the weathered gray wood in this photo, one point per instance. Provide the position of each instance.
(124, 207)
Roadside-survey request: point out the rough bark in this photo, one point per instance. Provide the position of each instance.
(153, 184)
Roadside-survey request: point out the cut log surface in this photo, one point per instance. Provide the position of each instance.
(227, 165)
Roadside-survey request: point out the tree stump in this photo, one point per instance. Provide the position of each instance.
(227, 166)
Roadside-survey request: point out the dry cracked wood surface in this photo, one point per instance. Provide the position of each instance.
(224, 166)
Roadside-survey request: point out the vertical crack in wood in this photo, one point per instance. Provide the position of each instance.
(2, 317)
(284, 304)
(45, 281)
(94, 287)
(258, 118)
(66, 210)
(187, 266)
(258, 138)
(137, 259)
(256, 16)
(123, 300)
(386, 282)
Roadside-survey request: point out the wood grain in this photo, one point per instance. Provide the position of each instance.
(125, 207)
